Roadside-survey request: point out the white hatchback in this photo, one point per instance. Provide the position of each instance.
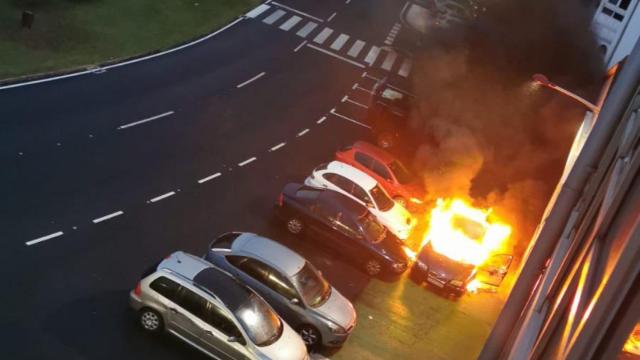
(364, 189)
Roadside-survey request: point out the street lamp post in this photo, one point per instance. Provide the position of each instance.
(544, 81)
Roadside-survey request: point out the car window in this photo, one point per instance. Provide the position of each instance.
(259, 321)
(217, 318)
(363, 159)
(265, 274)
(343, 183)
(381, 170)
(330, 177)
(374, 230)
(192, 302)
(360, 194)
(165, 287)
(402, 174)
(308, 194)
(382, 200)
(314, 288)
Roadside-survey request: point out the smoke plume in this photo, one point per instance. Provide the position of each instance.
(487, 134)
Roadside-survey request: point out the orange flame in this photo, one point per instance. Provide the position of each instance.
(464, 233)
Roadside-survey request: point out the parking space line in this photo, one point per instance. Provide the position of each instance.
(336, 56)
(274, 148)
(339, 42)
(389, 85)
(333, 112)
(300, 46)
(405, 68)
(248, 161)
(363, 89)
(122, 127)
(324, 34)
(107, 217)
(306, 29)
(356, 48)
(250, 80)
(346, 98)
(257, 11)
(211, 177)
(274, 16)
(302, 132)
(372, 55)
(297, 11)
(290, 23)
(44, 238)
(163, 196)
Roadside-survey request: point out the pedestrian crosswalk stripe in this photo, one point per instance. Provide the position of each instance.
(306, 29)
(290, 23)
(274, 17)
(339, 42)
(372, 55)
(356, 48)
(324, 34)
(258, 10)
(405, 68)
(389, 60)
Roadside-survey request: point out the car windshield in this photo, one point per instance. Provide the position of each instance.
(471, 228)
(259, 321)
(375, 232)
(382, 200)
(313, 288)
(402, 174)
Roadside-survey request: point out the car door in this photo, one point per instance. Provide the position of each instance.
(494, 271)
(221, 335)
(350, 237)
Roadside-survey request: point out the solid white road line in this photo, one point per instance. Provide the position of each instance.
(209, 178)
(305, 30)
(339, 42)
(122, 127)
(297, 11)
(356, 48)
(107, 217)
(321, 120)
(303, 132)
(274, 17)
(257, 11)
(324, 34)
(332, 16)
(300, 46)
(290, 23)
(132, 61)
(44, 238)
(274, 148)
(389, 60)
(405, 68)
(163, 196)
(333, 112)
(357, 103)
(336, 56)
(250, 80)
(250, 160)
(372, 55)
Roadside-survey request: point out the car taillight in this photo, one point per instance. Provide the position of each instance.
(280, 200)
(138, 289)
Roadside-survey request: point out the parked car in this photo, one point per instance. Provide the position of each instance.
(365, 190)
(213, 312)
(388, 113)
(291, 284)
(453, 276)
(405, 188)
(343, 225)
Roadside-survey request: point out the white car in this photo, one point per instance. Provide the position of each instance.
(364, 189)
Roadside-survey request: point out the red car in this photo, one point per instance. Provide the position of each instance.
(400, 184)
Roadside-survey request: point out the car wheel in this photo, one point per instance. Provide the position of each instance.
(401, 201)
(150, 320)
(310, 335)
(295, 225)
(373, 267)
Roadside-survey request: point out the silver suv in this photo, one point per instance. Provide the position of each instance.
(210, 310)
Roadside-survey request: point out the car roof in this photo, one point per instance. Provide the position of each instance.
(270, 252)
(352, 174)
(344, 202)
(374, 151)
(186, 265)
(226, 288)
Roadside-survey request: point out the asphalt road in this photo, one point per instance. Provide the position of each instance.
(108, 172)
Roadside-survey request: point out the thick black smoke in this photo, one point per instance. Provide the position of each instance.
(488, 134)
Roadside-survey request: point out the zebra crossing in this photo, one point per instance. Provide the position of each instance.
(330, 41)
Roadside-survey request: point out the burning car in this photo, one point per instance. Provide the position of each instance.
(461, 249)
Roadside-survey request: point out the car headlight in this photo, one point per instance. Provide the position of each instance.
(456, 283)
(415, 200)
(399, 267)
(335, 328)
(422, 266)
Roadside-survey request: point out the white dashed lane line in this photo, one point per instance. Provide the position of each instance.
(251, 80)
(163, 196)
(122, 127)
(302, 132)
(44, 238)
(300, 46)
(211, 177)
(107, 217)
(274, 148)
(332, 16)
(248, 161)
(321, 120)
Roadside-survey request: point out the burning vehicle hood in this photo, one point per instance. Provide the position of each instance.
(443, 266)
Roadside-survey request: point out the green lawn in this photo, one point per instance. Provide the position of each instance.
(75, 33)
